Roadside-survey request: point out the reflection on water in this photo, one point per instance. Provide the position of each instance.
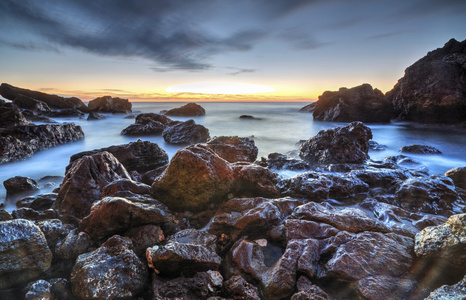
(280, 128)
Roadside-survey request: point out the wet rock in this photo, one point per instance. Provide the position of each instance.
(53, 101)
(280, 161)
(73, 244)
(203, 285)
(26, 102)
(20, 185)
(186, 253)
(420, 149)
(24, 254)
(11, 115)
(188, 110)
(126, 185)
(141, 156)
(303, 229)
(254, 181)
(374, 146)
(451, 292)
(233, 148)
(84, 181)
(349, 144)
(186, 133)
(401, 160)
(150, 176)
(361, 103)
(458, 175)
(307, 290)
(239, 288)
(113, 215)
(447, 242)
(386, 287)
(435, 195)
(34, 215)
(54, 230)
(112, 271)
(20, 142)
(147, 118)
(39, 202)
(65, 113)
(369, 254)
(39, 289)
(432, 89)
(144, 237)
(153, 128)
(384, 178)
(110, 105)
(180, 190)
(95, 116)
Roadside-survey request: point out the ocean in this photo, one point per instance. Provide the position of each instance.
(277, 127)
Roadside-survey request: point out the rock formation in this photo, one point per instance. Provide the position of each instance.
(188, 110)
(110, 105)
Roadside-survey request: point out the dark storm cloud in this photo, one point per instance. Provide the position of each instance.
(168, 32)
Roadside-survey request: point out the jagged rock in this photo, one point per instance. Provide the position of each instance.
(20, 142)
(420, 149)
(446, 241)
(149, 176)
(113, 215)
(36, 106)
(188, 110)
(239, 288)
(433, 88)
(303, 229)
(233, 148)
(112, 271)
(361, 103)
(10, 116)
(349, 144)
(386, 287)
(309, 108)
(188, 252)
(20, 185)
(65, 113)
(280, 161)
(186, 133)
(32, 116)
(144, 237)
(24, 254)
(151, 117)
(39, 202)
(179, 189)
(110, 104)
(84, 181)
(254, 181)
(55, 288)
(307, 290)
(458, 175)
(376, 146)
(34, 215)
(384, 178)
(141, 156)
(74, 244)
(53, 101)
(95, 116)
(54, 230)
(449, 292)
(126, 185)
(152, 128)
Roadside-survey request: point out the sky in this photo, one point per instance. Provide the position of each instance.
(218, 50)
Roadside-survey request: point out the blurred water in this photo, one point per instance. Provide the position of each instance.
(278, 127)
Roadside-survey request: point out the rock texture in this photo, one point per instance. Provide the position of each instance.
(188, 110)
(20, 184)
(420, 149)
(36, 106)
(433, 89)
(233, 148)
(186, 133)
(458, 175)
(110, 104)
(349, 144)
(361, 103)
(449, 292)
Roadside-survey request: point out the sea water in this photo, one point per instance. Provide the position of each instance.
(277, 127)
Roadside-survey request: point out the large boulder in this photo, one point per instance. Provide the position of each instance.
(195, 178)
(433, 88)
(186, 133)
(84, 181)
(188, 110)
(112, 271)
(233, 148)
(11, 115)
(349, 144)
(36, 106)
(110, 104)
(53, 101)
(20, 142)
(140, 156)
(361, 103)
(152, 128)
(24, 253)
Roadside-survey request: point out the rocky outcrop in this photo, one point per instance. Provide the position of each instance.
(309, 108)
(95, 116)
(186, 133)
(53, 101)
(34, 105)
(233, 148)
(24, 254)
(20, 142)
(433, 89)
(349, 144)
(188, 110)
(11, 115)
(110, 104)
(361, 103)
(420, 149)
(140, 156)
(112, 271)
(458, 175)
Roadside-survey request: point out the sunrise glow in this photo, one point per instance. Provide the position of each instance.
(212, 87)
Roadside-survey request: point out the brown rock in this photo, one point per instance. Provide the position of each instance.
(188, 110)
(110, 104)
(186, 133)
(458, 175)
(233, 148)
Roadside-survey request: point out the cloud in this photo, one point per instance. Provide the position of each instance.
(236, 71)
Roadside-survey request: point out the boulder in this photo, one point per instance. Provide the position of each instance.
(20, 185)
(233, 148)
(24, 254)
(186, 133)
(55, 288)
(278, 161)
(446, 242)
(254, 181)
(112, 271)
(95, 116)
(140, 156)
(39, 202)
(152, 128)
(458, 175)
(53, 101)
(146, 118)
(420, 149)
(195, 178)
(84, 181)
(433, 88)
(34, 215)
(449, 292)
(387, 287)
(110, 104)
(20, 142)
(10, 116)
(34, 105)
(239, 288)
(114, 215)
(144, 237)
(73, 244)
(249, 117)
(188, 110)
(361, 103)
(126, 185)
(349, 144)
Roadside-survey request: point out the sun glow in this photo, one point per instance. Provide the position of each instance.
(217, 87)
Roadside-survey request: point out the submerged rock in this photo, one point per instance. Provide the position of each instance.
(110, 104)
(349, 144)
(19, 185)
(188, 110)
(420, 149)
(233, 148)
(186, 133)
